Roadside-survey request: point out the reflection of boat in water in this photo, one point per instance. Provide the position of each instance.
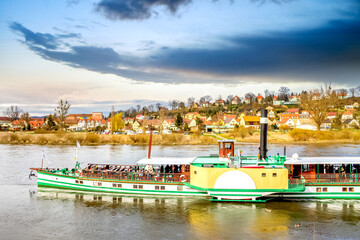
(222, 177)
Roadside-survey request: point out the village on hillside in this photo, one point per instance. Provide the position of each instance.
(285, 112)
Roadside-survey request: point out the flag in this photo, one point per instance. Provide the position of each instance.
(77, 144)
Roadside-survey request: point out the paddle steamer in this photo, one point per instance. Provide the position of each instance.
(225, 176)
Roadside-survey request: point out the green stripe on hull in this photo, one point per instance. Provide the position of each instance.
(51, 183)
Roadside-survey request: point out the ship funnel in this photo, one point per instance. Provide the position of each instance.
(263, 134)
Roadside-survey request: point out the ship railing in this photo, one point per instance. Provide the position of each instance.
(296, 183)
(137, 176)
(270, 160)
(332, 178)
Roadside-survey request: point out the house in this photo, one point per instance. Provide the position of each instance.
(97, 116)
(356, 105)
(287, 121)
(78, 116)
(155, 123)
(347, 115)
(235, 100)
(128, 120)
(289, 115)
(136, 125)
(351, 123)
(293, 111)
(331, 115)
(36, 123)
(192, 115)
(247, 100)
(5, 123)
(271, 114)
(276, 101)
(294, 99)
(326, 125)
(195, 105)
(307, 124)
(349, 107)
(139, 117)
(342, 95)
(230, 122)
(169, 124)
(259, 99)
(17, 125)
(316, 96)
(206, 104)
(304, 114)
(219, 102)
(229, 116)
(250, 121)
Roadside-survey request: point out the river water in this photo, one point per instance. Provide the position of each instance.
(27, 212)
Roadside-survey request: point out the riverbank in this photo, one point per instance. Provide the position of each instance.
(70, 138)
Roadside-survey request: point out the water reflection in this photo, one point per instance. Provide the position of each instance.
(202, 219)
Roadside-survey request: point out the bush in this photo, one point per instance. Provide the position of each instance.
(300, 134)
(92, 138)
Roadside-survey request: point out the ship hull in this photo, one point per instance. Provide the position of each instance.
(114, 186)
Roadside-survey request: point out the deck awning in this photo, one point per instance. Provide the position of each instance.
(165, 161)
(322, 160)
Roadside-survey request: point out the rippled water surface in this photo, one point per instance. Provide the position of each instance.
(27, 212)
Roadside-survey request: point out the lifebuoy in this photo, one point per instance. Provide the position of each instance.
(183, 178)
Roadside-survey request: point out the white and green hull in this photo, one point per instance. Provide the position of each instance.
(100, 185)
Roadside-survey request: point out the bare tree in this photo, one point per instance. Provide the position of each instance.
(191, 101)
(61, 111)
(207, 98)
(229, 99)
(13, 112)
(251, 96)
(318, 106)
(352, 91)
(158, 106)
(26, 117)
(138, 108)
(151, 108)
(181, 105)
(284, 93)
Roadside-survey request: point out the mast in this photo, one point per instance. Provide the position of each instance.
(263, 134)
(150, 140)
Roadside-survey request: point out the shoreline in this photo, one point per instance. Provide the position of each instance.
(91, 139)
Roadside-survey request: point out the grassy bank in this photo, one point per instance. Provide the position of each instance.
(96, 139)
(248, 136)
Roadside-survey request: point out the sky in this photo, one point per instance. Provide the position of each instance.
(123, 53)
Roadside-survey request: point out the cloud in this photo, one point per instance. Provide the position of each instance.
(144, 9)
(327, 53)
(136, 9)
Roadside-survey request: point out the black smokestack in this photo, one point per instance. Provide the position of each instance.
(263, 133)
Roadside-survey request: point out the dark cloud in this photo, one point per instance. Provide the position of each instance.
(329, 53)
(136, 9)
(144, 9)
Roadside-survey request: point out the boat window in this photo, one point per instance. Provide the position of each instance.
(274, 174)
(221, 146)
(119, 185)
(141, 187)
(195, 172)
(99, 184)
(156, 187)
(227, 145)
(325, 189)
(76, 181)
(162, 187)
(81, 182)
(318, 189)
(179, 188)
(344, 189)
(135, 186)
(351, 189)
(114, 184)
(263, 174)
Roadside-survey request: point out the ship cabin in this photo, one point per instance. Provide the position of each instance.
(324, 170)
(146, 169)
(228, 170)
